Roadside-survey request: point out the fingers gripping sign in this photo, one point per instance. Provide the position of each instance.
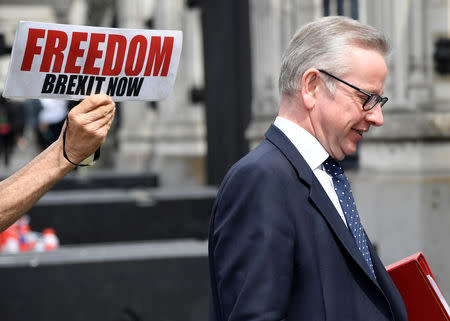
(86, 128)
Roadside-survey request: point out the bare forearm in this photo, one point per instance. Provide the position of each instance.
(87, 126)
(19, 192)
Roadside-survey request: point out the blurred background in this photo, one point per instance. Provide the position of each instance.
(133, 230)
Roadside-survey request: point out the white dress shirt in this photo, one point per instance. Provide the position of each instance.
(313, 153)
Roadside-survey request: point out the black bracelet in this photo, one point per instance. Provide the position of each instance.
(96, 155)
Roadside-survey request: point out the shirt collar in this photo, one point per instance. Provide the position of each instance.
(308, 146)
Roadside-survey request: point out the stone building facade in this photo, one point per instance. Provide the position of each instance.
(402, 183)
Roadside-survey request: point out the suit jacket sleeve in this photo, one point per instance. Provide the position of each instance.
(251, 245)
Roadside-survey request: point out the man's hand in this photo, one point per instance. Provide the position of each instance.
(88, 125)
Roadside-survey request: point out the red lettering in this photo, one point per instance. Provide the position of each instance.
(93, 54)
(54, 46)
(32, 48)
(75, 52)
(139, 62)
(119, 42)
(56, 41)
(158, 55)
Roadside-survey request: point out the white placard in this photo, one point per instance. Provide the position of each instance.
(71, 62)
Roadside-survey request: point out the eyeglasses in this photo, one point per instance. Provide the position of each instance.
(372, 99)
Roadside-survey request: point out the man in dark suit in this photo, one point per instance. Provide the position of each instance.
(286, 242)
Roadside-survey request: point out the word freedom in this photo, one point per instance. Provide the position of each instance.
(118, 55)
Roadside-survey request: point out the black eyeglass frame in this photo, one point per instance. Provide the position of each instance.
(375, 98)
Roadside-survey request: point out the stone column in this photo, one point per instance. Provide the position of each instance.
(77, 13)
(419, 80)
(136, 118)
(265, 34)
(272, 25)
(400, 55)
(179, 137)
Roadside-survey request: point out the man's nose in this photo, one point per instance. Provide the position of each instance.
(375, 116)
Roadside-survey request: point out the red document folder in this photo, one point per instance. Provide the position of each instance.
(420, 292)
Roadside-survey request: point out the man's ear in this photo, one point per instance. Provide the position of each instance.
(309, 87)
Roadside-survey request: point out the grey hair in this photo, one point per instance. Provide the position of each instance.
(325, 44)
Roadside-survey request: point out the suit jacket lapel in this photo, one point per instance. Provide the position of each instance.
(319, 197)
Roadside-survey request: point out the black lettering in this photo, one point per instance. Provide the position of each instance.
(71, 84)
(134, 86)
(90, 84)
(60, 87)
(48, 85)
(122, 85)
(112, 86)
(81, 86)
(100, 81)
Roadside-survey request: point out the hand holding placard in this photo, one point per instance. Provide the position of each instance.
(87, 127)
(73, 62)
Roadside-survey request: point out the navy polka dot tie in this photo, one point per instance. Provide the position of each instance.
(345, 196)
